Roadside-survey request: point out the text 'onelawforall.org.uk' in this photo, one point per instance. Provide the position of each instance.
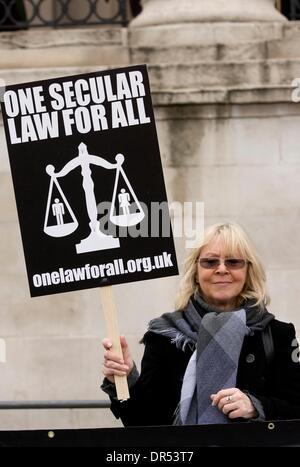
(96, 271)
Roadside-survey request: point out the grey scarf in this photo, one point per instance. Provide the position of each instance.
(217, 337)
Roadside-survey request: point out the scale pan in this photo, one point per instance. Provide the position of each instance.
(126, 220)
(61, 230)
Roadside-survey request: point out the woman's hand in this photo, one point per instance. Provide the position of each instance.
(113, 364)
(234, 403)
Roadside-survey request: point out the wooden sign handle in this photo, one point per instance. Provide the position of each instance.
(111, 319)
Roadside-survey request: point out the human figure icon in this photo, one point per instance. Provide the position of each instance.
(58, 211)
(124, 200)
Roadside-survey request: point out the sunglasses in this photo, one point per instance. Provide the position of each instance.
(230, 263)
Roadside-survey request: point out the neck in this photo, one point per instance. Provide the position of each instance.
(216, 306)
(223, 306)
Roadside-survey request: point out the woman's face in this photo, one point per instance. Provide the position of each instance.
(220, 286)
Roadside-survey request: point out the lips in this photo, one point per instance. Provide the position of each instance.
(221, 283)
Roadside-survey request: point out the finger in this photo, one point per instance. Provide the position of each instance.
(224, 401)
(107, 344)
(227, 408)
(224, 393)
(116, 366)
(125, 348)
(109, 355)
(113, 372)
(219, 395)
(126, 352)
(110, 365)
(107, 371)
(213, 397)
(123, 341)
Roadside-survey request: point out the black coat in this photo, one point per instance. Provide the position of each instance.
(155, 396)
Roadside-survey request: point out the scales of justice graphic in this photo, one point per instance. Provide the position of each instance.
(96, 240)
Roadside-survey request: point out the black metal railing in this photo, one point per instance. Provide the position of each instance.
(55, 404)
(295, 10)
(290, 8)
(22, 14)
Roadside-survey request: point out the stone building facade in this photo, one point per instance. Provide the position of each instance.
(221, 75)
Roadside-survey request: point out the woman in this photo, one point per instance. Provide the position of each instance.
(208, 362)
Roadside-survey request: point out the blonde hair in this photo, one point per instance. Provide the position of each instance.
(235, 241)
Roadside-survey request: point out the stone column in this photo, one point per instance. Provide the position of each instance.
(163, 12)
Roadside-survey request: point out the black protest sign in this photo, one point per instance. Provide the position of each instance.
(88, 181)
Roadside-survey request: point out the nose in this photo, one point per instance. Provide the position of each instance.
(222, 269)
